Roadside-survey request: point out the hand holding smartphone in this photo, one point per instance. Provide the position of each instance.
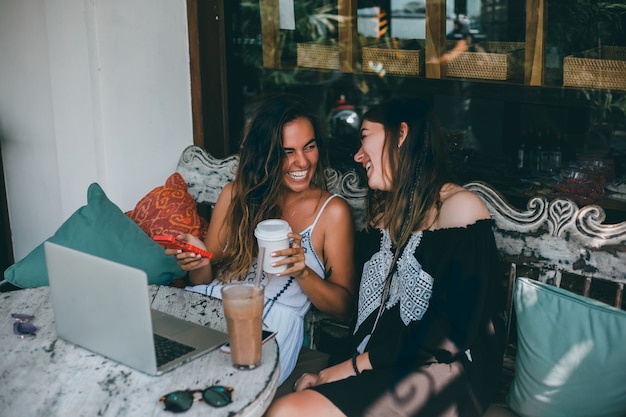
(170, 242)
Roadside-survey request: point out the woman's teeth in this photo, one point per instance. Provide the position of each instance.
(298, 175)
(368, 166)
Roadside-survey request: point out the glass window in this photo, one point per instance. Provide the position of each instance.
(513, 114)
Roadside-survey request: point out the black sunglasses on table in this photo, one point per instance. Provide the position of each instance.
(180, 401)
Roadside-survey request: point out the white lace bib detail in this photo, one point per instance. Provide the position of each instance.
(411, 286)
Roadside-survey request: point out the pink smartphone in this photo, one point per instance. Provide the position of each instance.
(170, 242)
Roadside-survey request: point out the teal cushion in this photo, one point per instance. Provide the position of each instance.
(570, 356)
(102, 229)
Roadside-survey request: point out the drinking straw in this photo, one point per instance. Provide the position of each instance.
(259, 267)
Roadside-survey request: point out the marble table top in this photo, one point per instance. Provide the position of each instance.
(46, 376)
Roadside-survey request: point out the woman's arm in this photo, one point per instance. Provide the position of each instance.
(333, 295)
(336, 372)
(200, 269)
(460, 46)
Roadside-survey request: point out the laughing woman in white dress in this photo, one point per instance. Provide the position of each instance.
(280, 175)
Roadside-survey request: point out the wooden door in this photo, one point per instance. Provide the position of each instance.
(209, 80)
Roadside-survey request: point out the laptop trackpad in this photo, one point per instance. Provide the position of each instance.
(167, 325)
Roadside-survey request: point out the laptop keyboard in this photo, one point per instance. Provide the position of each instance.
(167, 350)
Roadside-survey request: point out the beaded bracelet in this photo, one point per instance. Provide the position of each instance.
(356, 368)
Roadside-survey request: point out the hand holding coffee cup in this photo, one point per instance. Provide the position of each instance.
(272, 236)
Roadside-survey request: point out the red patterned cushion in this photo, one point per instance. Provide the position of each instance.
(169, 210)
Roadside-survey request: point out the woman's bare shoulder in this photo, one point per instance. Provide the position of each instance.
(338, 202)
(228, 188)
(460, 207)
(337, 210)
(227, 191)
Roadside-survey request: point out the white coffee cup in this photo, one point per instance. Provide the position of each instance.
(272, 236)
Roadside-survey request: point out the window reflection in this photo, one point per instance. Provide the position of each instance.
(490, 121)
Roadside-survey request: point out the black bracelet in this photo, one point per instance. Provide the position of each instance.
(356, 368)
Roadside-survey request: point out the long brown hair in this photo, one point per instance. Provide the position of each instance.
(259, 177)
(419, 168)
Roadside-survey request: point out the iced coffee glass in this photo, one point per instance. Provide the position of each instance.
(243, 309)
(272, 236)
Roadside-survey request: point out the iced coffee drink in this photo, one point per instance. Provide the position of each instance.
(243, 309)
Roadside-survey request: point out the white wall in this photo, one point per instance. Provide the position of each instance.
(90, 91)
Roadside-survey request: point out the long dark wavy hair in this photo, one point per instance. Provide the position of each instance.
(259, 178)
(419, 168)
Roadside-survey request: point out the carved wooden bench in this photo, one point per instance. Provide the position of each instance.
(553, 236)
(552, 241)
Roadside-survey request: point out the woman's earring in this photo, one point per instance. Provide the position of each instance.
(399, 146)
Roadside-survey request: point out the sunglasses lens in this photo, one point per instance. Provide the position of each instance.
(178, 401)
(217, 396)
(22, 328)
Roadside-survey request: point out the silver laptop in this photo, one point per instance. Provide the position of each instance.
(104, 306)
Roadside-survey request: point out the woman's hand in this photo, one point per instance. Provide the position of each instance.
(294, 258)
(189, 261)
(337, 372)
(305, 381)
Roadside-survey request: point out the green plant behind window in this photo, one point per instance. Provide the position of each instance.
(578, 25)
